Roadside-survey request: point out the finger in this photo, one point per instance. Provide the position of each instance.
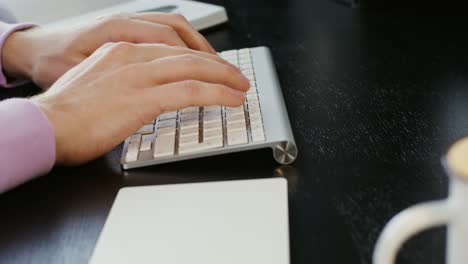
(188, 67)
(188, 33)
(183, 94)
(112, 55)
(149, 52)
(118, 29)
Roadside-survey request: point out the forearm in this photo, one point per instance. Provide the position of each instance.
(27, 144)
(13, 58)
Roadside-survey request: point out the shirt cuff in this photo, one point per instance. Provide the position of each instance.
(27, 143)
(5, 31)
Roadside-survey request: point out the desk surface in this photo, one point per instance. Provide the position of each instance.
(375, 97)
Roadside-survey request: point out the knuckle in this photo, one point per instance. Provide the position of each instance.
(108, 22)
(179, 19)
(112, 18)
(103, 48)
(168, 30)
(119, 48)
(107, 45)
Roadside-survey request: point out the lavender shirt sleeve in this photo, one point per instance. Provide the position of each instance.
(27, 142)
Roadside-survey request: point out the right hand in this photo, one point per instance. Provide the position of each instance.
(122, 86)
(44, 54)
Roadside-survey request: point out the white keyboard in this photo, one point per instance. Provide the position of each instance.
(204, 131)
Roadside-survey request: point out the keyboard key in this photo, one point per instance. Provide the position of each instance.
(190, 109)
(229, 55)
(210, 144)
(166, 123)
(212, 118)
(213, 143)
(212, 108)
(147, 129)
(235, 117)
(245, 66)
(166, 131)
(258, 135)
(252, 98)
(212, 133)
(232, 110)
(253, 88)
(212, 111)
(190, 116)
(254, 108)
(190, 131)
(168, 115)
(238, 125)
(164, 146)
(256, 126)
(146, 143)
(188, 140)
(237, 137)
(133, 147)
(256, 119)
(189, 144)
(190, 149)
(213, 125)
(244, 60)
(189, 124)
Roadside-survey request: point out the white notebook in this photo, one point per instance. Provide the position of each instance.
(67, 12)
(202, 223)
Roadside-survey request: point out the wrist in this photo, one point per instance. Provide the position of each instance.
(17, 55)
(52, 116)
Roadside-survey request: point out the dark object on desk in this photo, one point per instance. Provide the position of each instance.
(163, 9)
(375, 96)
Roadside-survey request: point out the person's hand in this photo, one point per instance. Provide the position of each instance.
(43, 55)
(122, 86)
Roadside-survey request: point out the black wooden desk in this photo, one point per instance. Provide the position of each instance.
(375, 97)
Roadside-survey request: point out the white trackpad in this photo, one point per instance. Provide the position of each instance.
(207, 223)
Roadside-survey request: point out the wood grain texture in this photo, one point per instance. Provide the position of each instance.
(375, 97)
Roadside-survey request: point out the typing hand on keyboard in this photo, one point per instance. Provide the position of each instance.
(194, 132)
(47, 53)
(122, 87)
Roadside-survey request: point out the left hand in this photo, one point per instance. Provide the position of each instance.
(122, 86)
(43, 55)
